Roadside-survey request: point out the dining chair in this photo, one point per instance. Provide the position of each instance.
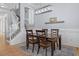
(55, 36)
(42, 41)
(46, 31)
(31, 39)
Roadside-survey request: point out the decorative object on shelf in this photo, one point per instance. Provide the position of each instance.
(44, 9)
(54, 20)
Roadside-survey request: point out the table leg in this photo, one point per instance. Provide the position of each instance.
(60, 43)
(27, 43)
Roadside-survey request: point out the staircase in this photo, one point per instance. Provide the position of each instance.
(14, 28)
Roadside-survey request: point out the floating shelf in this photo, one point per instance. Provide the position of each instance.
(55, 22)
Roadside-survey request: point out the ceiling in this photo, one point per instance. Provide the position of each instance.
(9, 5)
(15, 5)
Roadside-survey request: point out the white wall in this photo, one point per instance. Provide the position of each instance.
(69, 13)
(70, 28)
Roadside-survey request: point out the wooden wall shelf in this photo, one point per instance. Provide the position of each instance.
(55, 22)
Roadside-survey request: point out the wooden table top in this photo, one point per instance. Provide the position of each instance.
(7, 50)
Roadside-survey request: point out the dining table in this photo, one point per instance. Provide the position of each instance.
(52, 41)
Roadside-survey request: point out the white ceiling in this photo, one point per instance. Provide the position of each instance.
(34, 5)
(9, 5)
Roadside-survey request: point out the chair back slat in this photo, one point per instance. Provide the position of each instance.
(46, 31)
(29, 34)
(41, 35)
(54, 32)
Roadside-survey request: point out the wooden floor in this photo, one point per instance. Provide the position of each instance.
(12, 50)
(9, 50)
(15, 51)
(76, 49)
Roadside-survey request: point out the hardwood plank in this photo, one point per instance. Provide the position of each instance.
(2, 39)
(77, 51)
(7, 50)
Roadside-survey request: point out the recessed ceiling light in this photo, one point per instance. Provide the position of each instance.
(3, 5)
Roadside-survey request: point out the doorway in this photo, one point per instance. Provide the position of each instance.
(26, 21)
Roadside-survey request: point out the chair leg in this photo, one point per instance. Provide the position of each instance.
(46, 52)
(27, 46)
(60, 43)
(54, 45)
(38, 49)
(27, 43)
(33, 48)
(57, 43)
(52, 48)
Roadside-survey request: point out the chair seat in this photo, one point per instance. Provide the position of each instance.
(33, 38)
(45, 44)
(55, 37)
(32, 41)
(52, 40)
